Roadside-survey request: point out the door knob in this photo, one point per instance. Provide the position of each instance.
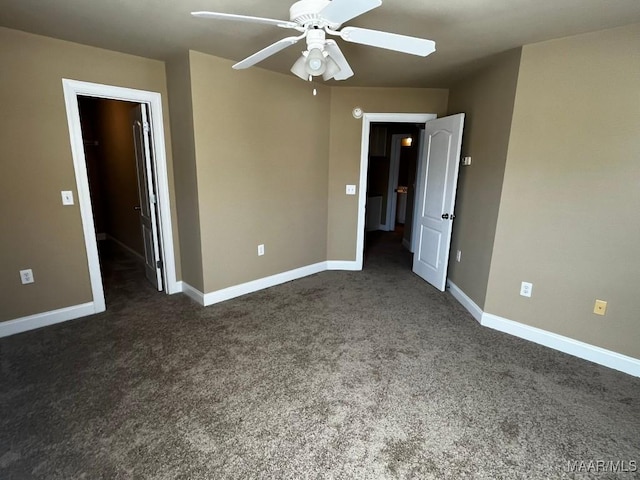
(445, 216)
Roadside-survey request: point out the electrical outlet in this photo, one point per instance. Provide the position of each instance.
(600, 308)
(458, 255)
(466, 161)
(67, 197)
(260, 249)
(26, 276)
(525, 289)
(351, 189)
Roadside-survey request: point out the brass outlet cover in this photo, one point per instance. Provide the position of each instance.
(600, 307)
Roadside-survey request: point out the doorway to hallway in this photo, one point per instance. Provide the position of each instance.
(391, 180)
(116, 186)
(435, 187)
(148, 115)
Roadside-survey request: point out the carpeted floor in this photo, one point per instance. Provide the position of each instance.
(345, 375)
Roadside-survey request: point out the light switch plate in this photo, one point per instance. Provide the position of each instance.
(466, 161)
(351, 189)
(67, 197)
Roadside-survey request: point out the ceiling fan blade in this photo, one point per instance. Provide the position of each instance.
(266, 52)
(245, 18)
(390, 41)
(336, 54)
(340, 11)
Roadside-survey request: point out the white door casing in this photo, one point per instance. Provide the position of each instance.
(367, 120)
(147, 194)
(438, 179)
(74, 88)
(416, 188)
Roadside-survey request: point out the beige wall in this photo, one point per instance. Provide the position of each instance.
(487, 99)
(37, 231)
(568, 218)
(261, 160)
(261, 148)
(185, 171)
(344, 151)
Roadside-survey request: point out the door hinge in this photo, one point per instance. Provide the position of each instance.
(159, 264)
(145, 127)
(153, 199)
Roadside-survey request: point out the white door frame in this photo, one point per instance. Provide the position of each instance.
(367, 119)
(74, 88)
(416, 189)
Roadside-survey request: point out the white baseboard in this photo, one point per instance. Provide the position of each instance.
(126, 247)
(343, 265)
(19, 325)
(23, 324)
(177, 287)
(218, 296)
(262, 283)
(564, 344)
(579, 349)
(192, 292)
(465, 301)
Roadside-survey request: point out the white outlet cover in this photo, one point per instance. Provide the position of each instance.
(458, 255)
(26, 276)
(525, 289)
(351, 189)
(67, 197)
(260, 250)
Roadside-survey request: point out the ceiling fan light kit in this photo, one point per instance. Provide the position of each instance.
(331, 70)
(317, 18)
(316, 64)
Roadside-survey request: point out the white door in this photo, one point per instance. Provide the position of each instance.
(438, 179)
(146, 190)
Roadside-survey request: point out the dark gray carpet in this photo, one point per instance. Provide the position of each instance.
(369, 374)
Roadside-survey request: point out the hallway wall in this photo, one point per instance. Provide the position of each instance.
(115, 179)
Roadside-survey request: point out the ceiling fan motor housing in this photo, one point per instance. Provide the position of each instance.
(306, 13)
(316, 39)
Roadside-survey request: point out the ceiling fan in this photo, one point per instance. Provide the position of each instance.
(314, 19)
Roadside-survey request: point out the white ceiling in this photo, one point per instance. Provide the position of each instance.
(466, 31)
